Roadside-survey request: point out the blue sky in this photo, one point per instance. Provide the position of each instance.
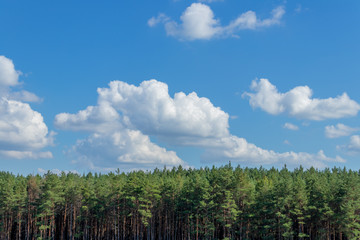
(94, 86)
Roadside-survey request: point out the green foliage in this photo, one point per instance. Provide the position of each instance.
(216, 203)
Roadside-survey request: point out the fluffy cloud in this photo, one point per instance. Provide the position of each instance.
(298, 102)
(9, 78)
(198, 22)
(101, 118)
(235, 149)
(126, 114)
(340, 130)
(116, 141)
(124, 149)
(23, 132)
(291, 126)
(150, 109)
(8, 75)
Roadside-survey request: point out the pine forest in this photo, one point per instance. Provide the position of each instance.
(209, 203)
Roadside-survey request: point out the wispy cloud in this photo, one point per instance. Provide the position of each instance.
(340, 130)
(353, 147)
(291, 126)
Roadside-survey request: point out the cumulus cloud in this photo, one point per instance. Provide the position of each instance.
(124, 149)
(150, 109)
(340, 130)
(237, 149)
(116, 141)
(291, 126)
(198, 22)
(298, 102)
(23, 132)
(126, 115)
(8, 75)
(9, 78)
(101, 118)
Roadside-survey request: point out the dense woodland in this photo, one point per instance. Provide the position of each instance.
(209, 203)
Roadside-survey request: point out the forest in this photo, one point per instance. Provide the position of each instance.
(208, 203)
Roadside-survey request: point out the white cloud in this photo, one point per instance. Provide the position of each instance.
(161, 18)
(353, 147)
(340, 130)
(150, 109)
(126, 114)
(8, 75)
(124, 149)
(9, 78)
(211, 1)
(198, 22)
(24, 96)
(25, 154)
(237, 149)
(115, 141)
(298, 102)
(23, 132)
(291, 126)
(101, 118)
(56, 171)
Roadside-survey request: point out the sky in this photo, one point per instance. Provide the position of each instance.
(99, 86)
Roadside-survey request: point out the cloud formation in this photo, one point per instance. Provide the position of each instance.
(237, 149)
(9, 78)
(353, 147)
(126, 115)
(340, 130)
(198, 22)
(298, 102)
(8, 75)
(291, 126)
(150, 109)
(23, 132)
(124, 149)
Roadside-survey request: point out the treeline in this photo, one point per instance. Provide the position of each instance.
(209, 203)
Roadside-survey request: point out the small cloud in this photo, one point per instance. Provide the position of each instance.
(210, 1)
(161, 18)
(234, 117)
(56, 171)
(340, 130)
(353, 147)
(291, 126)
(287, 142)
(298, 8)
(25, 96)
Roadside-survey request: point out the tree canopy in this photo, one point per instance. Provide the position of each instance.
(177, 203)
